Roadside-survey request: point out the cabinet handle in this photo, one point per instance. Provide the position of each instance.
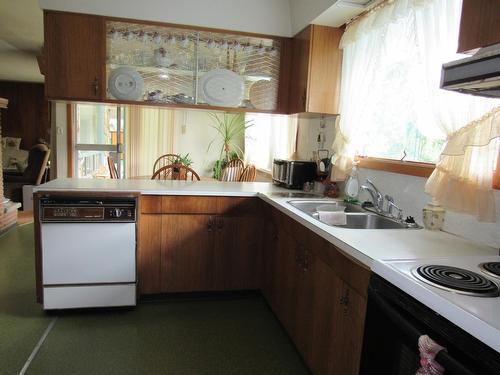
(220, 223)
(303, 97)
(210, 224)
(95, 84)
(344, 300)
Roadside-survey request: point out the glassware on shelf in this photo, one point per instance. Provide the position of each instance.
(173, 60)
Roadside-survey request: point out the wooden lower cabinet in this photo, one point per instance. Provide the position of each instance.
(322, 314)
(187, 253)
(149, 254)
(191, 244)
(316, 291)
(237, 252)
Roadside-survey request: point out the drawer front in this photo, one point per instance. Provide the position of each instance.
(69, 297)
(150, 204)
(238, 206)
(186, 204)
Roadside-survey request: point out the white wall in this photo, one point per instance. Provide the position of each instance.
(407, 191)
(59, 134)
(258, 16)
(308, 130)
(303, 12)
(193, 133)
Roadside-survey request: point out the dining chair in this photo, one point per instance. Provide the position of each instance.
(113, 172)
(233, 170)
(175, 172)
(164, 160)
(249, 174)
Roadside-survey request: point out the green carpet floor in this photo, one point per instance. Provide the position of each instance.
(22, 321)
(177, 336)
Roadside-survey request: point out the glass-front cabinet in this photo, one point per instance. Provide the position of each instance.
(148, 63)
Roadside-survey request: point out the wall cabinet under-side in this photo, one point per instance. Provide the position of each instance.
(316, 70)
(479, 26)
(75, 49)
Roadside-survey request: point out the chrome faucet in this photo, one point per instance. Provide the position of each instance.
(377, 197)
(392, 206)
(378, 202)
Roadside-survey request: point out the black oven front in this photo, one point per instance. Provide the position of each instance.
(394, 323)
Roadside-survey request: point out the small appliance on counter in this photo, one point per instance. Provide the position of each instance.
(293, 174)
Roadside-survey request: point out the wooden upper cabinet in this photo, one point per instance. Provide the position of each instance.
(75, 48)
(315, 70)
(479, 26)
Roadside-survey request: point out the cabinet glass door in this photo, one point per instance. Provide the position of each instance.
(175, 65)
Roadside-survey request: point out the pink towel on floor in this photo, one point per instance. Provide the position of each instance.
(428, 350)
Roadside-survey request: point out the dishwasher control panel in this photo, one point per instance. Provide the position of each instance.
(87, 210)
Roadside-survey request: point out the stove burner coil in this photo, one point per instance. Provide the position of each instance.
(491, 268)
(457, 280)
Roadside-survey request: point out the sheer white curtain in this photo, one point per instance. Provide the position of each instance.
(270, 136)
(391, 74)
(150, 134)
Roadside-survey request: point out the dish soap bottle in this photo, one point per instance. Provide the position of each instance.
(433, 215)
(352, 185)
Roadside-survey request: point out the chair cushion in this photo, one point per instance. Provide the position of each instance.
(13, 158)
(11, 142)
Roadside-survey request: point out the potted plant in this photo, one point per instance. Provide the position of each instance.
(229, 127)
(182, 160)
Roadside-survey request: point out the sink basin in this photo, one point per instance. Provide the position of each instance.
(357, 218)
(313, 206)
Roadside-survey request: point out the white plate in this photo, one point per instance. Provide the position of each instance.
(125, 84)
(222, 87)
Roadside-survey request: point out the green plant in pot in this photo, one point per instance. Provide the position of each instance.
(184, 160)
(229, 128)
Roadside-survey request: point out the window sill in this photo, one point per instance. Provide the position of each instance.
(395, 166)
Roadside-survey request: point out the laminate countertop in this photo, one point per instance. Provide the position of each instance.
(365, 245)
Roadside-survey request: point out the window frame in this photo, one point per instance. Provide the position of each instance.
(411, 168)
(496, 174)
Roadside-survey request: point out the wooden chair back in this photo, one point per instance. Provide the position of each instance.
(113, 172)
(233, 170)
(249, 173)
(175, 172)
(164, 160)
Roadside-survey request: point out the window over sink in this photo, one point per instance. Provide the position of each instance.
(391, 103)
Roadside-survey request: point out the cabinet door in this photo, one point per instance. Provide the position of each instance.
(479, 26)
(300, 71)
(237, 252)
(283, 295)
(149, 254)
(324, 70)
(349, 324)
(187, 253)
(75, 47)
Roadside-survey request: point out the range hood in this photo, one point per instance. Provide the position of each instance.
(476, 75)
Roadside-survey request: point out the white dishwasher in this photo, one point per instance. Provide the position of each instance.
(88, 248)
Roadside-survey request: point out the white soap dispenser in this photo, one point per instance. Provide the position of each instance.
(352, 185)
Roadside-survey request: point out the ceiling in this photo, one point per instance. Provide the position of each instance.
(21, 25)
(21, 37)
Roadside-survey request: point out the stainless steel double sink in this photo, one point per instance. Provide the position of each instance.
(357, 217)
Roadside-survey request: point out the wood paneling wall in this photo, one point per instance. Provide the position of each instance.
(27, 116)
